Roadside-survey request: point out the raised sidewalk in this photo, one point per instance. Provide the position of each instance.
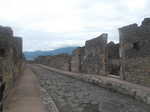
(25, 96)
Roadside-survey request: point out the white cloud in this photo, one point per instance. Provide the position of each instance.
(136, 4)
(49, 24)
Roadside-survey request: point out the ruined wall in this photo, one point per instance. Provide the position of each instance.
(42, 60)
(94, 60)
(135, 53)
(130, 59)
(97, 57)
(61, 61)
(10, 56)
(77, 59)
(113, 62)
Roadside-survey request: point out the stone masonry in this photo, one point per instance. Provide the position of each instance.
(135, 53)
(85, 58)
(97, 57)
(77, 59)
(73, 92)
(10, 57)
(113, 62)
(94, 60)
(61, 61)
(128, 60)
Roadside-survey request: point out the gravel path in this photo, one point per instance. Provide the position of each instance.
(72, 95)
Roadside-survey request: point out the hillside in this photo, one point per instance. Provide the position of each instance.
(33, 54)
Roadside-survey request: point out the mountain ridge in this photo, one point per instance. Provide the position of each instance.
(31, 55)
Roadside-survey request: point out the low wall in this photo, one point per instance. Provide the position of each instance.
(61, 61)
(137, 70)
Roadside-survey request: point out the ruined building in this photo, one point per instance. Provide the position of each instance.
(77, 59)
(94, 60)
(84, 59)
(10, 57)
(135, 52)
(113, 59)
(128, 60)
(61, 61)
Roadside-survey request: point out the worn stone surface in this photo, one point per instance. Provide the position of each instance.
(135, 52)
(72, 95)
(48, 101)
(138, 92)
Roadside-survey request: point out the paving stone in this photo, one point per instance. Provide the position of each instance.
(80, 96)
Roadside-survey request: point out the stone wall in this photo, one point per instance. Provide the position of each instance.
(61, 61)
(92, 57)
(77, 59)
(135, 53)
(113, 62)
(94, 60)
(42, 60)
(10, 57)
(128, 60)
(97, 57)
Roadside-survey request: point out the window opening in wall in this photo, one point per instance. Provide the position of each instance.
(136, 46)
(2, 52)
(115, 72)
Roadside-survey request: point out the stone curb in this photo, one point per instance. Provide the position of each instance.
(138, 92)
(46, 98)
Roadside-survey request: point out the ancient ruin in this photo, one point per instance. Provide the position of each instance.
(135, 53)
(94, 60)
(128, 60)
(61, 61)
(10, 59)
(113, 60)
(76, 82)
(77, 59)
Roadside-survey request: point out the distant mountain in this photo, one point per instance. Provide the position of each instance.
(33, 54)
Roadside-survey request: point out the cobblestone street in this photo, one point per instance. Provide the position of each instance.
(72, 95)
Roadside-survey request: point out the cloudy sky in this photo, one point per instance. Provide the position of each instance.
(51, 24)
